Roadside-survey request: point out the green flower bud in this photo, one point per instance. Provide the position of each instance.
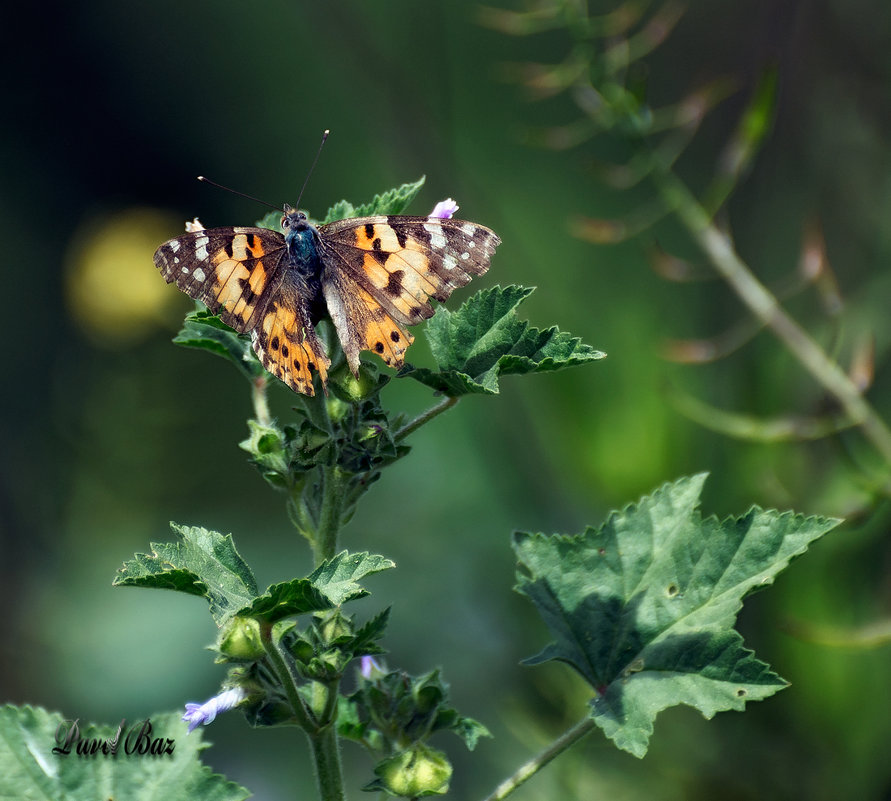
(416, 772)
(240, 641)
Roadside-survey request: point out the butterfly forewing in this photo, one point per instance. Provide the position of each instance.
(403, 261)
(231, 270)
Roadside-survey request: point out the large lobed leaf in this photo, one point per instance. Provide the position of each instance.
(644, 606)
(203, 563)
(30, 771)
(484, 339)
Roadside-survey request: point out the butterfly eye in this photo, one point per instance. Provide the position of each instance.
(284, 220)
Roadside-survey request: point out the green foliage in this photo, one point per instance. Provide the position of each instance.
(484, 340)
(206, 331)
(393, 714)
(643, 606)
(393, 201)
(205, 563)
(30, 770)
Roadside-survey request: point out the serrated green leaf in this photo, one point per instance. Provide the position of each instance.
(338, 577)
(393, 201)
(644, 606)
(30, 771)
(474, 346)
(363, 643)
(204, 563)
(295, 597)
(206, 331)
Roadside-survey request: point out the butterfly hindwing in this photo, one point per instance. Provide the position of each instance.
(286, 342)
(362, 323)
(381, 271)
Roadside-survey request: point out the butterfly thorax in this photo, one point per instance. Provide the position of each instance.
(302, 241)
(304, 259)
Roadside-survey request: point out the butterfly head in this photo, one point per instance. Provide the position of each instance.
(294, 220)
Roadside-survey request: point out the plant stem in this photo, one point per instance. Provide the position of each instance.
(535, 764)
(764, 305)
(333, 490)
(278, 663)
(326, 756)
(260, 401)
(425, 417)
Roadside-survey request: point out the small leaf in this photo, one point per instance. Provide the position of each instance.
(30, 770)
(296, 597)
(206, 331)
(393, 201)
(337, 577)
(483, 340)
(205, 563)
(644, 606)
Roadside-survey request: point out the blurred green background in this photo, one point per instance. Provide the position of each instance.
(109, 431)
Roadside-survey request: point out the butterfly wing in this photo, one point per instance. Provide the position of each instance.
(241, 274)
(286, 341)
(380, 273)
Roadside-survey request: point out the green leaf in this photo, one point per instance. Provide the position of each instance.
(30, 770)
(204, 563)
(296, 597)
(393, 201)
(206, 331)
(644, 606)
(483, 340)
(338, 577)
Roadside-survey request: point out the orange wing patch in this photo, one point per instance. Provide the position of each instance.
(289, 348)
(380, 333)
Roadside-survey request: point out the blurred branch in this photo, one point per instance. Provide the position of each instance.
(764, 305)
(871, 635)
(755, 429)
(535, 764)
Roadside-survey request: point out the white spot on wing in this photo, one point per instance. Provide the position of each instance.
(437, 237)
(185, 269)
(201, 243)
(450, 262)
(174, 245)
(465, 255)
(468, 228)
(200, 275)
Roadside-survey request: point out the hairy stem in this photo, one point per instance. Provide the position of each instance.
(535, 764)
(425, 417)
(764, 305)
(279, 664)
(333, 490)
(260, 400)
(326, 757)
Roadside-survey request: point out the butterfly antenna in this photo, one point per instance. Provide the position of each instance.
(236, 192)
(306, 181)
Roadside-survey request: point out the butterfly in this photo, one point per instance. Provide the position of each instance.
(372, 276)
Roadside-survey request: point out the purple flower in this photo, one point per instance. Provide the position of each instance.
(369, 666)
(445, 209)
(196, 714)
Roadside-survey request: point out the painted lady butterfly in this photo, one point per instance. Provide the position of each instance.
(372, 275)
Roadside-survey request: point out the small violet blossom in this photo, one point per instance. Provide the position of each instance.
(196, 714)
(368, 663)
(445, 209)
